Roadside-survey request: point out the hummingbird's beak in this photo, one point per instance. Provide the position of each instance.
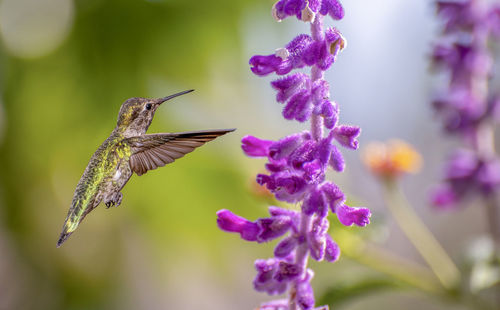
(161, 100)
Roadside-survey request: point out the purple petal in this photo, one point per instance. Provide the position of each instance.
(320, 91)
(315, 203)
(289, 85)
(290, 188)
(294, 7)
(335, 41)
(299, 106)
(303, 154)
(285, 247)
(337, 160)
(263, 65)
(332, 8)
(277, 211)
(313, 172)
(316, 238)
(296, 48)
(313, 53)
(281, 304)
(324, 150)
(330, 112)
(332, 250)
(346, 135)
(255, 147)
(273, 227)
(444, 197)
(488, 176)
(264, 280)
(287, 145)
(268, 181)
(462, 164)
(305, 295)
(348, 215)
(287, 272)
(333, 195)
(228, 221)
(314, 5)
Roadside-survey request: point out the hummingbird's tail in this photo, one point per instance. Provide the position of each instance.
(70, 224)
(64, 236)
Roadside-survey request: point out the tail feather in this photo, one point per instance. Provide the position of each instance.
(64, 236)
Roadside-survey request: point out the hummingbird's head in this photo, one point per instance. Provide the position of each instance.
(136, 114)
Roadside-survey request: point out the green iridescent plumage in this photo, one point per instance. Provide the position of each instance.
(127, 150)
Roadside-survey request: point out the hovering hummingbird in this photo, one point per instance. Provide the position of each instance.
(127, 150)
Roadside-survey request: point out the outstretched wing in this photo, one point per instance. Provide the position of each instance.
(156, 150)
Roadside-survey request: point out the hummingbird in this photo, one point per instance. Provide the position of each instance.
(127, 150)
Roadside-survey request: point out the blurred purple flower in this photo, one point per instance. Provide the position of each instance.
(465, 107)
(297, 164)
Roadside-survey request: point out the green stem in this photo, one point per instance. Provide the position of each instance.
(420, 236)
(388, 263)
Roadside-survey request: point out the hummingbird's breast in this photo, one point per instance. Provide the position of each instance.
(105, 172)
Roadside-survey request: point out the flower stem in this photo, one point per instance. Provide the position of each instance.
(301, 257)
(317, 74)
(379, 259)
(420, 236)
(302, 252)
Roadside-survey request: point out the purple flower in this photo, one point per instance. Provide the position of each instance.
(465, 107)
(305, 293)
(332, 250)
(297, 164)
(348, 215)
(332, 8)
(289, 85)
(346, 135)
(264, 281)
(273, 227)
(255, 147)
(230, 222)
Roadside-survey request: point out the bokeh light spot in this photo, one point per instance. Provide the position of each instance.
(34, 28)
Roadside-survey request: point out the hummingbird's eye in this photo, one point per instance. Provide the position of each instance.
(148, 106)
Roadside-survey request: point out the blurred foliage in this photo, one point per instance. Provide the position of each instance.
(60, 107)
(342, 293)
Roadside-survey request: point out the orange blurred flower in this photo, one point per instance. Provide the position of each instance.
(391, 159)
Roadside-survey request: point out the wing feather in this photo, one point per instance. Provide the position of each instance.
(156, 150)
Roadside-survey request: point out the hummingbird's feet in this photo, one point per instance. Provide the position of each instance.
(113, 200)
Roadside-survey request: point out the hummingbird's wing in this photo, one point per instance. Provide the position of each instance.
(156, 150)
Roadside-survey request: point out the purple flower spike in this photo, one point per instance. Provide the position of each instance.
(228, 221)
(297, 164)
(348, 215)
(470, 27)
(255, 147)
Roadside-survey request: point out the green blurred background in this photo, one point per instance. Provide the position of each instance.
(65, 68)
